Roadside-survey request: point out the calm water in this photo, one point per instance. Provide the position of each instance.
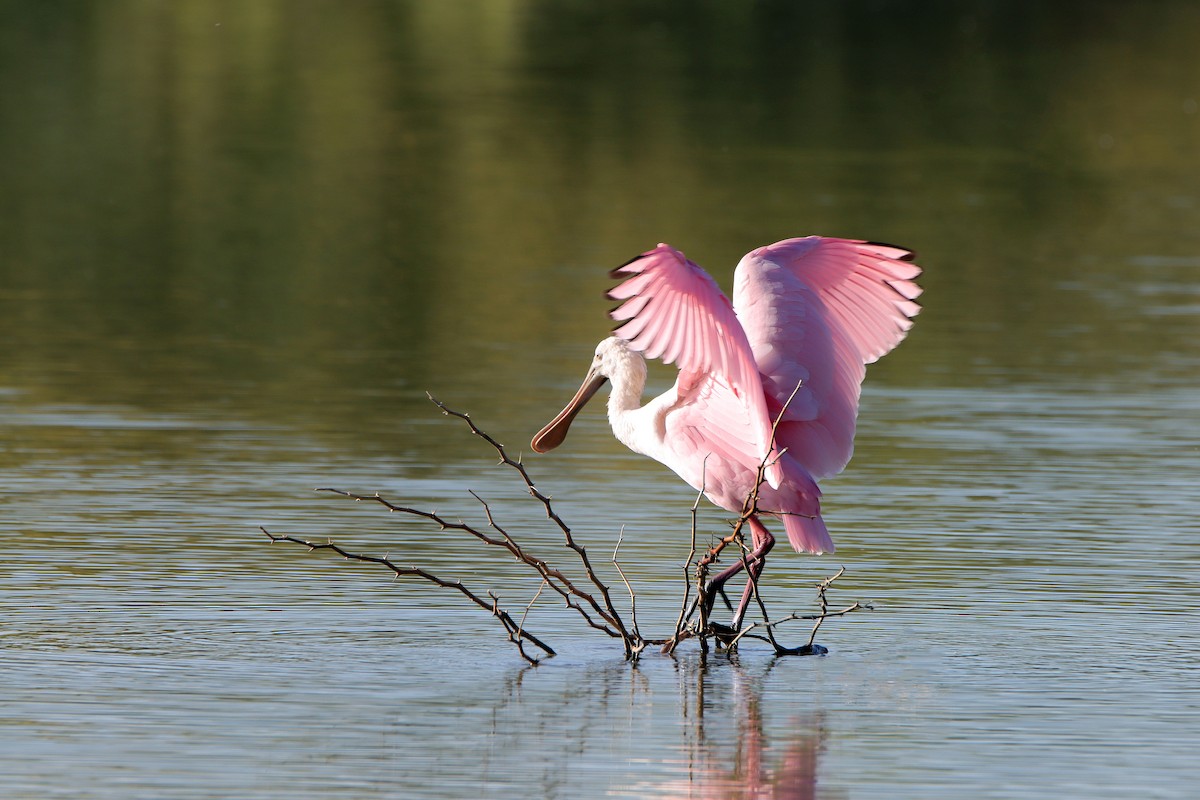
(238, 242)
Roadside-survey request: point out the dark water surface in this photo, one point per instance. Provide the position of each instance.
(240, 241)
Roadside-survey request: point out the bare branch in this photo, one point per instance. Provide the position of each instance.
(609, 611)
(686, 609)
(594, 603)
(556, 580)
(810, 648)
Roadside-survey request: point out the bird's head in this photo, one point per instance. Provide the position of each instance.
(613, 361)
(616, 361)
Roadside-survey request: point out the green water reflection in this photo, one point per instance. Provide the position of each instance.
(203, 199)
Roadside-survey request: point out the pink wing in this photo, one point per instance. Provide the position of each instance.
(673, 310)
(816, 311)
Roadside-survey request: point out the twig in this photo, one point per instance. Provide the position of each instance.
(640, 643)
(822, 588)
(686, 610)
(516, 633)
(529, 605)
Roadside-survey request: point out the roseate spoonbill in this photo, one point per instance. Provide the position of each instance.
(807, 316)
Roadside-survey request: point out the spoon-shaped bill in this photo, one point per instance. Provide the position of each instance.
(553, 434)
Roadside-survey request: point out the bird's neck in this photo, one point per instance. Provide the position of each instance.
(625, 403)
(626, 394)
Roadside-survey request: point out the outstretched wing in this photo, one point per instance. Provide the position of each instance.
(816, 311)
(673, 310)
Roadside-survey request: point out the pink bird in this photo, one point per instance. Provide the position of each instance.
(807, 316)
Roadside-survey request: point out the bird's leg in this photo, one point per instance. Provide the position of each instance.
(763, 542)
(714, 588)
(725, 599)
(716, 584)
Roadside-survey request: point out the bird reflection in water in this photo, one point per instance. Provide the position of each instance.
(749, 767)
(703, 727)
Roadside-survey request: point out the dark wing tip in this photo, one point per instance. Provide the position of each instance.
(620, 272)
(908, 255)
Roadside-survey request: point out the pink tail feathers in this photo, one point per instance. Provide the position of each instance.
(808, 534)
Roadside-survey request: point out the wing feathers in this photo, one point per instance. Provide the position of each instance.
(812, 311)
(823, 308)
(673, 310)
